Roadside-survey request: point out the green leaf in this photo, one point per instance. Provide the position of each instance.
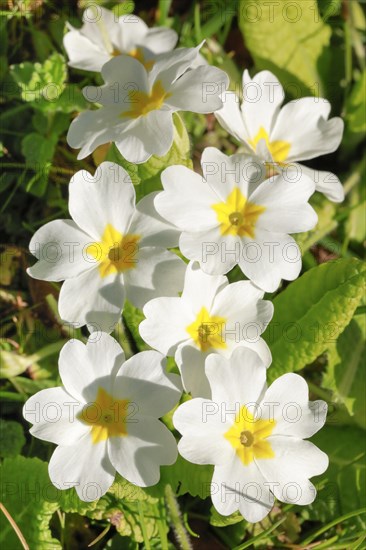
(287, 38)
(41, 84)
(31, 500)
(345, 478)
(346, 369)
(12, 364)
(312, 312)
(12, 438)
(217, 520)
(146, 176)
(133, 317)
(123, 505)
(184, 477)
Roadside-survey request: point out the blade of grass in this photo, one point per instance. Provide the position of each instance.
(257, 538)
(332, 524)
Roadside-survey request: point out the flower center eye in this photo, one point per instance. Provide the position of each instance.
(204, 332)
(115, 253)
(236, 218)
(246, 438)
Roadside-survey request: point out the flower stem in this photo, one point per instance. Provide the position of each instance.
(143, 527)
(176, 519)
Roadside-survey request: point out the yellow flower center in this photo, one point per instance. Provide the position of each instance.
(107, 416)
(237, 216)
(248, 436)
(142, 103)
(278, 149)
(115, 252)
(206, 331)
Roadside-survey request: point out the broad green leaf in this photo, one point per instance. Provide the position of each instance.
(133, 317)
(346, 369)
(217, 520)
(287, 38)
(12, 364)
(122, 507)
(345, 478)
(312, 312)
(31, 500)
(70, 502)
(184, 477)
(146, 176)
(38, 152)
(12, 438)
(41, 83)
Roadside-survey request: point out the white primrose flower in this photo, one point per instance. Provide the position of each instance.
(298, 131)
(211, 316)
(109, 251)
(105, 35)
(105, 417)
(254, 436)
(137, 106)
(234, 216)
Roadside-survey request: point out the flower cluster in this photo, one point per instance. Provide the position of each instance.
(168, 254)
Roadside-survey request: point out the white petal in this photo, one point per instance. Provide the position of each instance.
(198, 90)
(122, 74)
(291, 409)
(269, 258)
(262, 98)
(238, 487)
(165, 324)
(84, 369)
(158, 272)
(92, 300)
(53, 413)
(200, 289)
(247, 316)
(59, 247)
(108, 197)
(230, 116)
(288, 473)
(191, 364)
(147, 446)
(132, 31)
(160, 39)
(261, 348)
(186, 200)
(144, 380)
(216, 253)
(286, 206)
(303, 123)
(171, 65)
(93, 128)
(200, 423)
(154, 230)
(85, 466)
(82, 53)
(325, 182)
(240, 301)
(96, 18)
(223, 173)
(238, 380)
(151, 134)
